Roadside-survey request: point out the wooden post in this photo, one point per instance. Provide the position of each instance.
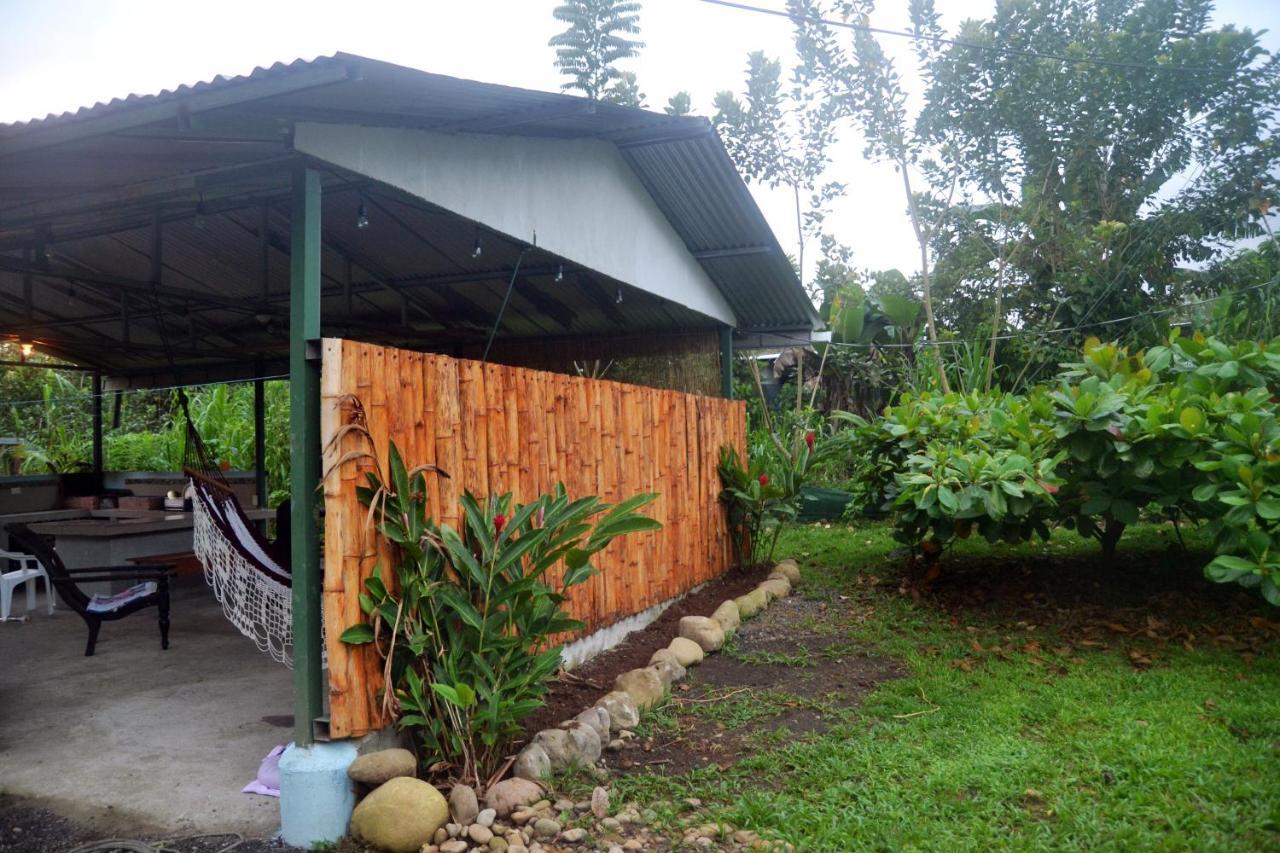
(304, 447)
(726, 362)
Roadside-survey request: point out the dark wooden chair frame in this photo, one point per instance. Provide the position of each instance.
(67, 583)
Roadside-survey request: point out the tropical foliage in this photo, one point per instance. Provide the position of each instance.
(465, 619)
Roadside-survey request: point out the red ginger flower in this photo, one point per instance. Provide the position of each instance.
(764, 479)
(499, 522)
(808, 439)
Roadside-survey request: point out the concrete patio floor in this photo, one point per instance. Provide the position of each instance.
(135, 738)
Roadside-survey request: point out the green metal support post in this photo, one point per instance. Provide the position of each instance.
(304, 447)
(726, 362)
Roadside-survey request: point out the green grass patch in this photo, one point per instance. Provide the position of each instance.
(972, 750)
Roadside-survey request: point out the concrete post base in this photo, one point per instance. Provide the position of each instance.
(316, 797)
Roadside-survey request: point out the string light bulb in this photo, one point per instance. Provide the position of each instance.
(560, 273)
(362, 216)
(477, 250)
(619, 295)
(27, 349)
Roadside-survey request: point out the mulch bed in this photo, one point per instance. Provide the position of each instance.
(580, 689)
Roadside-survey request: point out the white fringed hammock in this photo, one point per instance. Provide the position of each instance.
(255, 592)
(254, 588)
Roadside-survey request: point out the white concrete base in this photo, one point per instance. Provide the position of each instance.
(585, 648)
(316, 797)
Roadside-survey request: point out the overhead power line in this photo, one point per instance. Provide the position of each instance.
(991, 48)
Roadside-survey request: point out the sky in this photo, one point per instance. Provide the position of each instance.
(58, 55)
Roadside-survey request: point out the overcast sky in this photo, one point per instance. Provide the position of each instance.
(58, 55)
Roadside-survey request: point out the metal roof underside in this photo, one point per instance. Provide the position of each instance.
(81, 195)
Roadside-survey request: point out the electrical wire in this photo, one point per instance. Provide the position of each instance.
(1011, 51)
(131, 845)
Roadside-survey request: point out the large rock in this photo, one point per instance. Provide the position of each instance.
(668, 668)
(728, 617)
(623, 713)
(642, 685)
(558, 746)
(706, 632)
(790, 570)
(751, 603)
(775, 587)
(400, 815)
(597, 718)
(374, 768)
(532, 763)
(587, 744)
(510, 794)
(463, 804)
(687, 652)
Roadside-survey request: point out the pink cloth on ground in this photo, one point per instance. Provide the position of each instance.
(267, 782)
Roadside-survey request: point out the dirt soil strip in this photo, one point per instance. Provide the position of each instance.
(587, 683)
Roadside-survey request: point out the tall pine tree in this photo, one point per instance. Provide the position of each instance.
(600, 34)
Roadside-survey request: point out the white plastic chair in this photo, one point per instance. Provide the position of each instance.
(30, 572)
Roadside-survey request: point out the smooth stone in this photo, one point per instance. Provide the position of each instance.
(643, 686)
(463, 804)
(789, 569)
(374, 768)
(479, 834)
(728, 617)
(487, 817)
(457, 845)
(669, 671)
(573, 836)
(509, 794)
(401, 815)
(454, 829)
(586, 742)
(686, 651)
(611, 824)
(706, 632)
(561, 749)
(751, 603)
(532, 763)
(545, 827)
(442, 835)
(622, 710)
(597, 718)
(599, 801)
(661, 655)
(498, 844)
(775, 588)
(563, 805)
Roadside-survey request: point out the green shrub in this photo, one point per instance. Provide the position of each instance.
(465, 618)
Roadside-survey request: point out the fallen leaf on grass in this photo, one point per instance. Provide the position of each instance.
(1140, 660)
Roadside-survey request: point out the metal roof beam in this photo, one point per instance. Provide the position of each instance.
(176, 108)
(141, 193)
(533, 115)
(711, 254)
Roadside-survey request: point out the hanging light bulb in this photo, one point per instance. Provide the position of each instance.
(362, 216)
(27, 349)
(560, 273)
(477, 250)
(619, 295)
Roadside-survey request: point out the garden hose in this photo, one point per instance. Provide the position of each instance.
(129, 845)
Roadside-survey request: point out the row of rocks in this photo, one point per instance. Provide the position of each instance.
(403, 814)
(581, 741)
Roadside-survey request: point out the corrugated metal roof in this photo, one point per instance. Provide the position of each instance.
(243, 120)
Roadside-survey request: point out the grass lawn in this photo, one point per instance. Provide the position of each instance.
(1047, 703)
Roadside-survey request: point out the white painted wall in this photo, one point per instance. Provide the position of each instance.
(579, 196)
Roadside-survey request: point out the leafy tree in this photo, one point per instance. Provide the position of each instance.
(781, 139)
(599, 36)
(679, 104)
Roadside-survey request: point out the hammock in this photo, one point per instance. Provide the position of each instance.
(253, 587)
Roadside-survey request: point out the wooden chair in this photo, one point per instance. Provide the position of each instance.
(151, 590)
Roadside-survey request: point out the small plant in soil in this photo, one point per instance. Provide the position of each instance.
(464, 618)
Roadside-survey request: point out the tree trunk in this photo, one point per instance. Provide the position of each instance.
(926, 290)
(1112, 530)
